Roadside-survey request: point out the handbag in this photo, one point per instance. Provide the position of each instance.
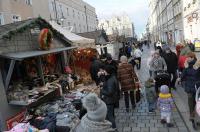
(137, 92)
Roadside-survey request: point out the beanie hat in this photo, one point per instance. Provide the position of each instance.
(96, 108)
(109, 69)
(164, 89)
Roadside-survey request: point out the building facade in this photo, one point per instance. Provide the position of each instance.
(15, 10)
(74, 13)
(166, 23)
(191, 17)
(120, 25)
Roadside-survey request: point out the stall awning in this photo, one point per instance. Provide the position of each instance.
(79, 41)
(29, 54)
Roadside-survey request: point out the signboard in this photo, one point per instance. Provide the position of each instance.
(13, 121)
(197, 44)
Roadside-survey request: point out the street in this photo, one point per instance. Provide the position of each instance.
(139, 120)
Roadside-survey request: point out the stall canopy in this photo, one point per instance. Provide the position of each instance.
(77, 40)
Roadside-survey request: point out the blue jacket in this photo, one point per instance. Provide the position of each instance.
(189, 75)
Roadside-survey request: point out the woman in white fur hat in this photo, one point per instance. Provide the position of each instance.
(94, 120)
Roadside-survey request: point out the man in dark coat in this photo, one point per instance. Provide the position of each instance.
(171, 60)
(109, 93)
(111, 62)
(94, 69)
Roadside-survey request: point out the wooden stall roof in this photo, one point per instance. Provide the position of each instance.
(29, 54)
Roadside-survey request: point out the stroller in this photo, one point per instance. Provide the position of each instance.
(161, 78)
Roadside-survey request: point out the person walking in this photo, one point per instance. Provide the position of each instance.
(111, 62)
(94, 69)
(137, 57)
(189, 75)
(109, 93)
(150, 94)
(165, 105)
(95, 118)
(127, 78)
(157, 64)
(171, 60)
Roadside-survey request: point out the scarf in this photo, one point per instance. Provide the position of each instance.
(165, 96)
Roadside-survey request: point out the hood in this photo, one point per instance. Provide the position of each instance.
(164, 89)
(87, 125)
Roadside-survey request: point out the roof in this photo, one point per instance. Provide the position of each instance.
(6, 31)
(29, 54)
(77, 40)
(94, 34)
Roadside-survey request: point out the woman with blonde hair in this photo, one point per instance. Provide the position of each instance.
(127, 78)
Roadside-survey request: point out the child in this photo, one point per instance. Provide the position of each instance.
(150, 94)
(165, 105)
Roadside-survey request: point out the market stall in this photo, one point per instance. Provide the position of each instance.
(79, 58)
(32, 63)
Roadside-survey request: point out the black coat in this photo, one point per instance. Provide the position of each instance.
(171, 60)
(110, 90)
(190, 76)
(94, 69)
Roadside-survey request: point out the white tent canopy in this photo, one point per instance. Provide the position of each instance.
(78, 41)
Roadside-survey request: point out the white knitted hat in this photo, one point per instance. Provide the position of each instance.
(96, 108)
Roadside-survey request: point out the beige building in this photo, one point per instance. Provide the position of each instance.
(77, 14)
(15, 10)
(120, 25)
(191, 16)
(166, 23)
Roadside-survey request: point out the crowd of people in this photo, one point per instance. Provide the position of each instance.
(116, 78)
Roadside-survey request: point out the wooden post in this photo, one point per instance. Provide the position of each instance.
(39, 62)
(9, 75)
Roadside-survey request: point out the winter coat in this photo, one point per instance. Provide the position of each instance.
(160, 66)
(126, 76)
(189, 75)
(137, 53)
(110, 90)
(94, 69)
(165, 103)
(171, 61)
(87, 125)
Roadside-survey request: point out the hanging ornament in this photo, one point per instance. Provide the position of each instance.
(45, 39)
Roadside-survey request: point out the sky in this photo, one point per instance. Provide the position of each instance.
(137, 10)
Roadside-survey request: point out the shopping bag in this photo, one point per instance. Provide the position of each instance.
(137, 95)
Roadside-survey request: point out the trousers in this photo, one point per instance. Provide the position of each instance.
(166, 116)
(126, 98)
(111, 115)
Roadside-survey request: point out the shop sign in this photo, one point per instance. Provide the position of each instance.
(13, 121)
(190, 19)
(197, 43)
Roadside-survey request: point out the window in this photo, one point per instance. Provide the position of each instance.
(1, 19)
(78, 15)
(16, 18)
(28, 2)
(73, 14)
(75, 27)
(68, 23)
(67, 11)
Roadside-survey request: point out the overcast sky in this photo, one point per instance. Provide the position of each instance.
(136, 9)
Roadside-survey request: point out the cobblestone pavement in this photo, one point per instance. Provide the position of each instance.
(139, 120)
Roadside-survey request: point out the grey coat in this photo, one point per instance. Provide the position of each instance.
(86, 125)
(161, 64)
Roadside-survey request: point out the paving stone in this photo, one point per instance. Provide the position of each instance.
(163, 130)
(141, 125)
(180, 124)
(136, 129)
(182, 129)
(173, 130)
(127, 129)
(144, 129)
(150, 125)
(153, 129)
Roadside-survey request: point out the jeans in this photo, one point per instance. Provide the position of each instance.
(126, 98)
(110, 115)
